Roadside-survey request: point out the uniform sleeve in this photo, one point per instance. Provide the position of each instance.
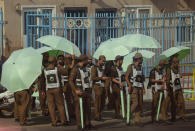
(128, 75)
(152, 75)
(168, 78)
(72, 78)
(41, 82)
(114, 73)
(94, 76)
(62, 70)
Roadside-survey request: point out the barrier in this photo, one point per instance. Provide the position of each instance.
(188, 76)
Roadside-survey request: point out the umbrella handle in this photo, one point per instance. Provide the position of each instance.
(122, 104)
(159, 105)
(81, 110)
(128, 108)
(66, 108)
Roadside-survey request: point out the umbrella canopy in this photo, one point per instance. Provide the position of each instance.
(43, 49)
(21, 69)
(182, 52)
(110, 49)
(139, 41)
(60, 43)
(129, 58)
(55, 53)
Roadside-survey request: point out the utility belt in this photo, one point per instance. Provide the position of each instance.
(99, 83)
(52, 88)
(123, 81)
(82, 86)
(157, 90)
(176, 88)
(157, 87)
(137, 84)
(88, 90)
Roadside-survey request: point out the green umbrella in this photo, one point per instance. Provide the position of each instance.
(43, 49)
(21, 69)
(139, 41)
(182, 52)
(128, 59)
(60, 43)
(110, 49)
(55, 53)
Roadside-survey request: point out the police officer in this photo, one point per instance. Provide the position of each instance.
(88, 67)
(22, 103)
(80, 83)
(69, 63)
(65, 85)
(157, 80)
(54, 93)
(108, 84)
(119, 83)
(175, 95)
(41, 85)
(97, 75)
(135, 80)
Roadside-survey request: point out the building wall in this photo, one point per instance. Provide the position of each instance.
(13, 27)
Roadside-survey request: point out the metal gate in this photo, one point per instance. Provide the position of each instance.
(1, 34)
(87, 32)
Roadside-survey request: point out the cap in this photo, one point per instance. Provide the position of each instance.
(118, 57)
(163, 62)
(138, 55)
(83, 57)
(102, 57)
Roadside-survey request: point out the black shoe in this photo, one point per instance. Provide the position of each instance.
(166, 123)
(54, 125)
(117, 117)
(79, 128)
(23, 124)
(16, 120)
(184, 120)
(63, 124)
(139, 124)
(90, 127)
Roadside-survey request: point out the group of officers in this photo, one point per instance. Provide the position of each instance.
(67, 78)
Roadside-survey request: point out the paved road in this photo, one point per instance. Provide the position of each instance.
(40, 123)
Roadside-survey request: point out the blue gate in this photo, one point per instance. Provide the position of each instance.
(87, 32)
(1, 29)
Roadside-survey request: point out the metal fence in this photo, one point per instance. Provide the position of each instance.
(1, 34)
(87, 32)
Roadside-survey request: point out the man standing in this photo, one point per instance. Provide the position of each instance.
(22, 103)
(157, 80)
(119, 83)
(80, 83)
(98, 79)
(51, 77)
(41, 85)
(175, 95)
(135, 81)
(69, 63)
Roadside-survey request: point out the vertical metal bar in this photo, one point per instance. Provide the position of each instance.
(1, 13)
(82, 38)
(27, 31)
(79, 44)
(65, 26)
